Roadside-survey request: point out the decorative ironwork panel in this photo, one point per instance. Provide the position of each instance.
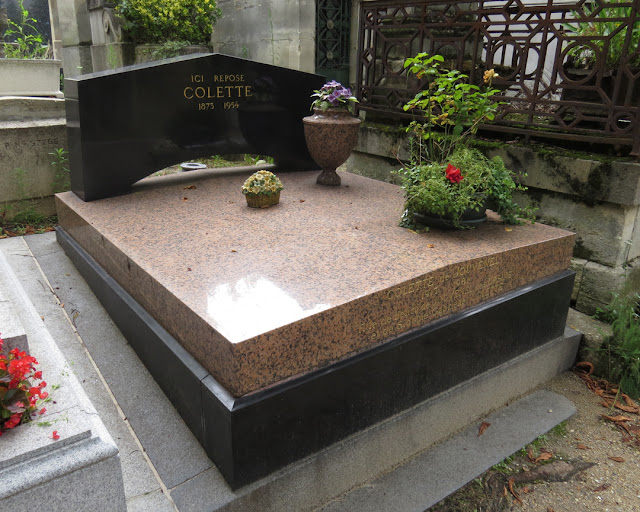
(333, 25)
(567, 69)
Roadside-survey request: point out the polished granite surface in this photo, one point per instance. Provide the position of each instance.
(259, 296)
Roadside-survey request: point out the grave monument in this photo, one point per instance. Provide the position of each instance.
(279, 332)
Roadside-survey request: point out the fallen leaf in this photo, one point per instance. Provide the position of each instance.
(185, 198)
(412, 231)
(190, 187)
(188, 269)
(512, 490)
(483, 427)
(626, 408)
(508, 229)
(617, 459)
(617, 419)
(549, 509)
(54, 435)
(531, 455)
(628, 400)
(302, 200)
(233, 250)
(585, 366)
(602, 487)
(544, 456)
(430, 246)
(581, 446)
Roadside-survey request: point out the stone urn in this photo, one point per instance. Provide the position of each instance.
(331, 136)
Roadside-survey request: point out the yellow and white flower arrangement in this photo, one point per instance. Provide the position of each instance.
(262, 189)
(262, 182)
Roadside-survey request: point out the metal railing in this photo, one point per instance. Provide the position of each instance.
(567, 69)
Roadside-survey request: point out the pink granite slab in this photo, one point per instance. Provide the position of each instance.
(258, 296)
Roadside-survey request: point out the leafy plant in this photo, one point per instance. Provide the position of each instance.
(60, 164)
(451, 107)
(466, 182)
(333, 95)
(18, 397)
(444, 177)
(583, 55)
(159, 21)
(27, 41)
(622, 348)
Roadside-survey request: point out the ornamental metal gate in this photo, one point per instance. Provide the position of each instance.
(333, 24)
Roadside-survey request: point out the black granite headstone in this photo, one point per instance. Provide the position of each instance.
(126, 124)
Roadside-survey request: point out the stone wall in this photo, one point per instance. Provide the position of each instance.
(269, 31)
(598, 199)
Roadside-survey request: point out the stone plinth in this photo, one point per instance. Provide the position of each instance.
(261, 296)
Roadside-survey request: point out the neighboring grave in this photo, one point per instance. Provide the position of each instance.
(124, 125)
(30, 129)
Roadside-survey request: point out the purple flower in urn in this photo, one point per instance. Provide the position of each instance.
(333, 94)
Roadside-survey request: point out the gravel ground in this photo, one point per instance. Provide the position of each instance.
(607, 486)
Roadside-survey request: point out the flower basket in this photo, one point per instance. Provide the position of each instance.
(262, 189)
(262, 200)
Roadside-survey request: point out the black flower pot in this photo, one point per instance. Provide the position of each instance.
(470, 218)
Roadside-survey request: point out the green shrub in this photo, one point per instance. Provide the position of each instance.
(621, 361)
(159, 21)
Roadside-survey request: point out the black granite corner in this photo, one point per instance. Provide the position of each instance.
(252, 436)
(126, 124)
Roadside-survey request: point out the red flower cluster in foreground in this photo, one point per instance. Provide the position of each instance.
(453, 174)
(18, 398)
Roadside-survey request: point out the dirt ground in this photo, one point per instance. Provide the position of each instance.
(590, 463)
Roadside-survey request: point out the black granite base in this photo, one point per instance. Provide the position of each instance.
(250, 437)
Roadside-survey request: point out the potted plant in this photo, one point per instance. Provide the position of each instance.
(262, 189)
(28, 69)
(331, 132)
(446, 183)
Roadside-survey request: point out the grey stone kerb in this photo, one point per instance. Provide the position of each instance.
(53, 474)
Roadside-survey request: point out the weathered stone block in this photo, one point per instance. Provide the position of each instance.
(616, 182)
(604, 229)
(25, 161)
(598, 283)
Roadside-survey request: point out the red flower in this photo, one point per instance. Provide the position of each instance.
(38, 374)
(55, 436)
(33, 391)
(42, 411)
(453, 174)
(13, 421)
(43, 394)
